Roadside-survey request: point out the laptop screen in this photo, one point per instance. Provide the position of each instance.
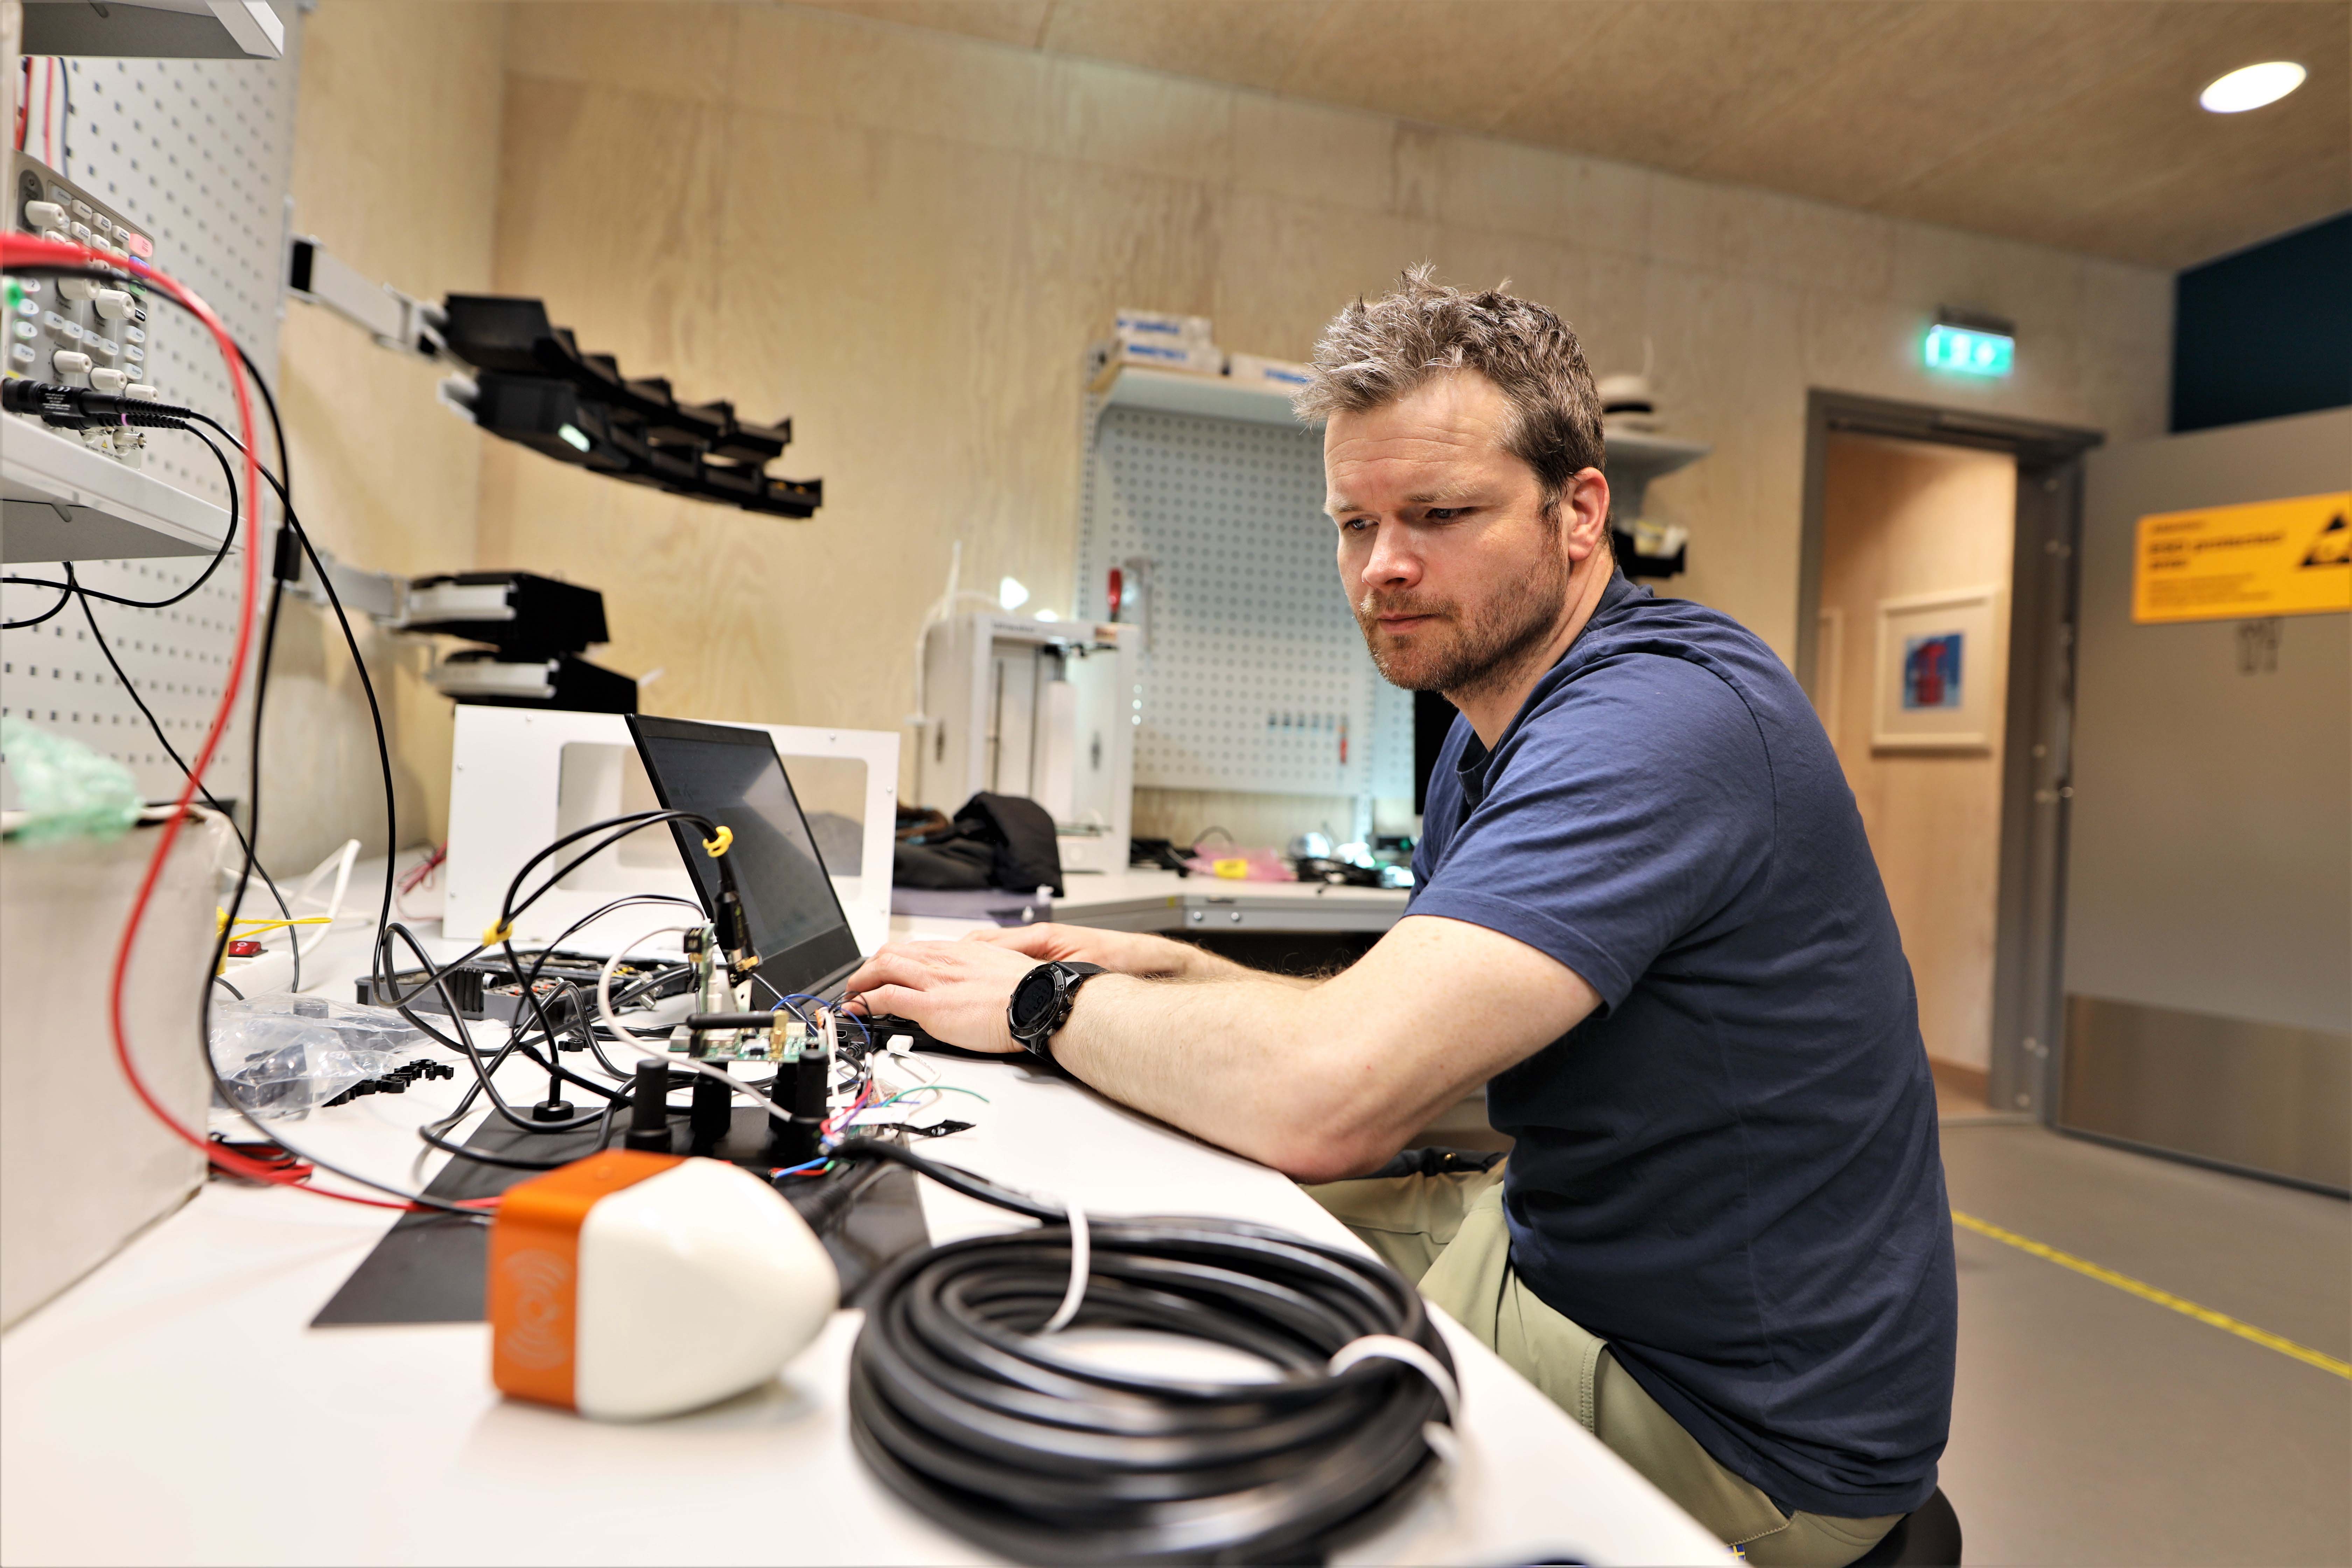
(734, 777)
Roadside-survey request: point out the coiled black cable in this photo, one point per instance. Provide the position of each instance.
(967, 1414)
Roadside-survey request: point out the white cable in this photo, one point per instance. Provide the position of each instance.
(343, 856)
(604, 983)
(1081, 1264)
(1395, 1347)
(349, 855)
(941, 611)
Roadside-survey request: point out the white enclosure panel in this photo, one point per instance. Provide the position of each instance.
(1255, 676)
(201, 152)
(507, 799)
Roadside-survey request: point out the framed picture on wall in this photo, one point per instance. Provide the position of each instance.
(1935, 671)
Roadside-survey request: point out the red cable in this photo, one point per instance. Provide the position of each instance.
(24, 251)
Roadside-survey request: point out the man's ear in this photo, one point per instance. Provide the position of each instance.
(1585, 513)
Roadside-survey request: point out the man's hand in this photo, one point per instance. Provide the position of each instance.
(959, 991)
(1121, 952)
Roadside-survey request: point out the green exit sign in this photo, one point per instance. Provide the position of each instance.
(1969, 351)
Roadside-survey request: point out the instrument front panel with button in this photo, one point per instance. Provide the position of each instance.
(82, 331)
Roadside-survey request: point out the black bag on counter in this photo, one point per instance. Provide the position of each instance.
(997, 841)
(953, 865)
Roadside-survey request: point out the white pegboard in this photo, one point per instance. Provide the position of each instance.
(201, 152)
(1253, 671)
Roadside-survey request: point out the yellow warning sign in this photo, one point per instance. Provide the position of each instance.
(2235, 563)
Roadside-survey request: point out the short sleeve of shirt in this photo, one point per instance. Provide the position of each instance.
(1630, 816)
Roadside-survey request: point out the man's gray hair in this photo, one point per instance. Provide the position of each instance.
(1375, 352)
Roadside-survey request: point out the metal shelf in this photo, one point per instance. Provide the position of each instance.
(1635, 458)
(61, 501)
(1213, 396)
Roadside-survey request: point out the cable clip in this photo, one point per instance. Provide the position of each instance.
(496, 931)
(717, 847)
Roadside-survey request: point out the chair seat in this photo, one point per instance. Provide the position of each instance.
(1928, 1537)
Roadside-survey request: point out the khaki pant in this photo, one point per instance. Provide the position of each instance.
(1447, 1232)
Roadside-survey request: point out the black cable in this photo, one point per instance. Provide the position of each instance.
(220, 946)
(65, 597)
(294, 941)
(432, 1133)
(628, 823)
(222, 981)
(630, 901)
(386, 972)
(277, 425)
(965, 1411)
(253, 805)
(228, 539)
(483, 1069)
(367, 686)
(220, 943)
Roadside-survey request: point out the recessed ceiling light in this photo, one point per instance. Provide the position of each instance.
(2251, 87)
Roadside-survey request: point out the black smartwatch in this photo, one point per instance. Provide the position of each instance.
(1041, 1004)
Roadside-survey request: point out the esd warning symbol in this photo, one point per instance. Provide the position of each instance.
(2334, 545)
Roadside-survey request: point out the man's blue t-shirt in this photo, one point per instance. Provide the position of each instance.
(1730, 1170)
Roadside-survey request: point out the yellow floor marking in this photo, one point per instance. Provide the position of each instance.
(2146, 1292)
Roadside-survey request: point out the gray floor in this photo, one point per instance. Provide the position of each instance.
(2091, 1427)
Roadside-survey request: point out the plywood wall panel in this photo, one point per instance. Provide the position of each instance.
(396, 169)
(904, 239)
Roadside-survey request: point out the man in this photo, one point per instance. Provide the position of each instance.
(1646, 919)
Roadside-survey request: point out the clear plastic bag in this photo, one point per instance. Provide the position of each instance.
(284, 1056)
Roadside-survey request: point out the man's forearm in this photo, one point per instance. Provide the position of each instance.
(1205, 965)
(1241, 1058)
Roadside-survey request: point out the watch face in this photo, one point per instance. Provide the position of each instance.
(1033, 1000)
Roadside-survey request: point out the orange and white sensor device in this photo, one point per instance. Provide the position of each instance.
(628, 1286)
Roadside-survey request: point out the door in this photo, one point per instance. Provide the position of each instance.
(1911, 677)
(1935, 636)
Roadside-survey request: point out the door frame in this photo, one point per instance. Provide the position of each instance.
(2036, 756)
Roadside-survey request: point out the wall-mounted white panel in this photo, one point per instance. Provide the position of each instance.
(1255, 676)
(201, 152)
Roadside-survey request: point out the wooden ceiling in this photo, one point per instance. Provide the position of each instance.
(2070, 123)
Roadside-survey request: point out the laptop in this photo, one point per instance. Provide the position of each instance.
(734, 777)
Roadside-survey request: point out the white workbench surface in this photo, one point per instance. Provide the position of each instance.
(176, 1407)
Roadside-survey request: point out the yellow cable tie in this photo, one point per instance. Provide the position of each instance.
(717, 847)
(497, 932)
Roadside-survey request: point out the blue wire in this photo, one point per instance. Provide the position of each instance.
(837, 1010)
(809, 1165)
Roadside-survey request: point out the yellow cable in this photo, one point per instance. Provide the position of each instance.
(297, 921)
(717, 847)
(2147, 1292)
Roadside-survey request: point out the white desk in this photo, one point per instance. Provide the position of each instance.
(176, 1407)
